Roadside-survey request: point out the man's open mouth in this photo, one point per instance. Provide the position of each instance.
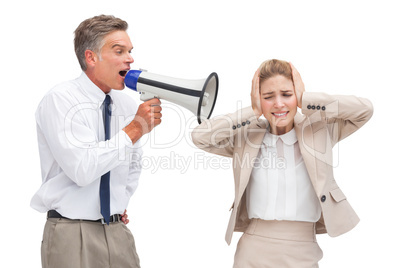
(123, 73)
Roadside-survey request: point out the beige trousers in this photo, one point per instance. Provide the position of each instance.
(83, 244)
(278, 244)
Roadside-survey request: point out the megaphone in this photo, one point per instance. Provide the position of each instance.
(198, 96)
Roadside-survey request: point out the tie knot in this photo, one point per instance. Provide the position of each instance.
(107, 100)
(106, 104)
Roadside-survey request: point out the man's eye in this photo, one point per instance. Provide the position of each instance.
(267, 98)
(287, 95)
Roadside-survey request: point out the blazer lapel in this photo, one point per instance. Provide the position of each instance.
(306, 139)
(251, 148)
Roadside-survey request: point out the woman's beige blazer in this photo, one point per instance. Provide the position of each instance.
(324, 121)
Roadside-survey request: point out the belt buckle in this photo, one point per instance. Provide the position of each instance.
(116, 218)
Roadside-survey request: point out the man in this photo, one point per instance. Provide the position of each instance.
(90, 159)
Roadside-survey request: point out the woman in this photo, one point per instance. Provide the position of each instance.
(285, 191)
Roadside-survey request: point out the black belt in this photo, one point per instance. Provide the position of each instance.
(55, 214)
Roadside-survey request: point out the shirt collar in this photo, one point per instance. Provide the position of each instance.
(288, 138)
(94, 93)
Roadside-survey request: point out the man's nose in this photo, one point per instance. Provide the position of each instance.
(130, 58)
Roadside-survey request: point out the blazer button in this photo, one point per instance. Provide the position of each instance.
(248, 122)
(318, 107)
(309, 106)
(323, 108)
(323, 198)
(238, 126)
(234, 127)
(243, 124)
(313, 107)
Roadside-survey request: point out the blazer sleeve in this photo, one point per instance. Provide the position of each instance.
(219, 134)
(343, 114)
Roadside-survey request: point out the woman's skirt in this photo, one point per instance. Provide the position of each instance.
(278, 244)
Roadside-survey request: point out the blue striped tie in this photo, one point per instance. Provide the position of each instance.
(104, 190)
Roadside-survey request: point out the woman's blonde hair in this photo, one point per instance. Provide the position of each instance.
(271, 68)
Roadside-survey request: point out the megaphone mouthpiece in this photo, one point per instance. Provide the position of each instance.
(131, 79)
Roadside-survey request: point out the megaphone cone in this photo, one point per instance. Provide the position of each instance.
(198, 96)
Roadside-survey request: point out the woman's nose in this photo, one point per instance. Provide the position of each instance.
(278, 102)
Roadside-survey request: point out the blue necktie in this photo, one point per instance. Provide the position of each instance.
(104, 190)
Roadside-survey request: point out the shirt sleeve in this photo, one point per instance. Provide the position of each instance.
(73, 141)
(135, 168)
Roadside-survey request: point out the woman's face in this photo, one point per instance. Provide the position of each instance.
(278, 103)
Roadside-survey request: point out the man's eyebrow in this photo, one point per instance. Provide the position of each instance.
(122, 46)
(118, 45)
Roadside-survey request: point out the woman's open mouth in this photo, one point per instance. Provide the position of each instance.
(280, 114)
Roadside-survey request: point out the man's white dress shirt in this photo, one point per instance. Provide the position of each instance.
(280, 187)
(74, 154)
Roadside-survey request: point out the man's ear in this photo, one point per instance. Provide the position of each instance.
(90, 57)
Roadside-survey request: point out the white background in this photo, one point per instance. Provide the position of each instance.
(179, 217)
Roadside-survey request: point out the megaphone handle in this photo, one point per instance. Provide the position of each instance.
(147, 96)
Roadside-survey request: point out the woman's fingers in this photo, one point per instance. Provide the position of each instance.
(299, 85)
(255, 94)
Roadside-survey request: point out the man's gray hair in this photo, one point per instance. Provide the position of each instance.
(90, 33)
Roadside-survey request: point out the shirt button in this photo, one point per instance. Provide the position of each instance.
(309, 106)
(323, 198)
(323, 108)
(234, 127)
(248, 122)
(313, 107)
(238, 126)
(318, 107)
(243, 124)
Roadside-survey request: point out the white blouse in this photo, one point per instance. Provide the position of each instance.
(280, 187)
